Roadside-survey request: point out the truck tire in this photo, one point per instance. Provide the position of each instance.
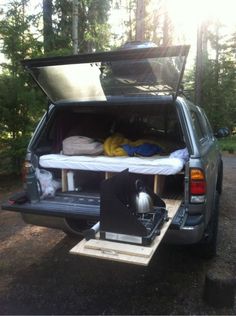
(74, 228)
(219, 183)
(207, 247)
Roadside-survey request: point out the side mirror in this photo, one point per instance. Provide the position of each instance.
(222, 132)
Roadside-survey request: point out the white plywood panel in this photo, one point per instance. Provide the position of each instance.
(116, 247)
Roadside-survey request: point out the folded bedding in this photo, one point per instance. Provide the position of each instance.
(81, 145)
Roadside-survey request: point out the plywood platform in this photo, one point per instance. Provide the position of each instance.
(123, 252)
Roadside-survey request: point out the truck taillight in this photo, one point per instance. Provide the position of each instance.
(25, 165)
(197, 186)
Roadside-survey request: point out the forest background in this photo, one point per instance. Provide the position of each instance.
(39, 28)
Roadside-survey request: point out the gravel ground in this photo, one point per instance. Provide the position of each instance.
(39, 276)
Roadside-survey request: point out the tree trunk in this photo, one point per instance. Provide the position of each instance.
(166, 30)
(201, 59)
(217, 55)
(130, 20)
(199, 64)
(75, 20)
(47, 25)
(219, 289)
(140, 20)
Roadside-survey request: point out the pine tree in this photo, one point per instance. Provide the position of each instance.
(93, 27)
(219, 82)
(20, 104)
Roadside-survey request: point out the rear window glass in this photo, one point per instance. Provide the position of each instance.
(147, 72)
(197, 126)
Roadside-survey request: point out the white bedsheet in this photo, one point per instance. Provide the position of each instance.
(150, 165)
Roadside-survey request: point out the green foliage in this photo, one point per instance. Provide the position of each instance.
(62, 21)
(20, 108)
(12, 152)
(228, 144)
(20, 104)
(93, 28)
(18, 41)
(219, 81)
(219, 84)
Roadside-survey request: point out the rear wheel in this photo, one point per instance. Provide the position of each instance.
(219, 183)
(74, 228)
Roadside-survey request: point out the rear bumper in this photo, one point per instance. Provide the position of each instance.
(65, 216)
(191, 233)
(54, 215)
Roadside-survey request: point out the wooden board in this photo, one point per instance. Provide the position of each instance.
(63, 180)
(106, 246)
(111, 250)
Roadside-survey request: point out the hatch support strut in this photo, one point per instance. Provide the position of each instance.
(180, 78)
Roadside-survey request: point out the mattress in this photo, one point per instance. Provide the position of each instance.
(151, 165)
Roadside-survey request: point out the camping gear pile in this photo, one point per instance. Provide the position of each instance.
(115, 145)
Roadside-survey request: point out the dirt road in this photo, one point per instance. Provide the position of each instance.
(38, 276)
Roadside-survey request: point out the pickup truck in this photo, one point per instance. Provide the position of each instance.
(130, 93)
